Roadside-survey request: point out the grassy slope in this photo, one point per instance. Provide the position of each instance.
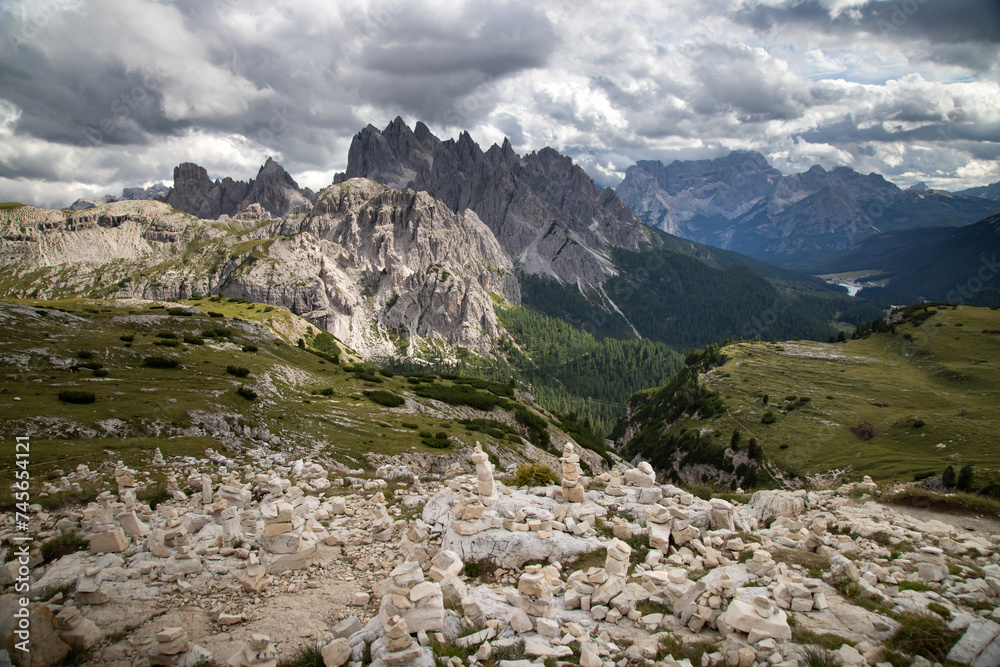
(38, 340)
(944, 375)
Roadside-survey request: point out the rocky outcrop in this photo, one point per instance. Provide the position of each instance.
(274, 189)
(382, 270)
(548, 215)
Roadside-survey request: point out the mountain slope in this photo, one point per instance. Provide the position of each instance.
(739, 202)
(382, 270)
(303, 404)
(961, 267)
(548, 215)
(892, 405)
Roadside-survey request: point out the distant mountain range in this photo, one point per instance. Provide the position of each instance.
(740, 202)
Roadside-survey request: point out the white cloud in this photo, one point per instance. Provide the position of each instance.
(109, 94)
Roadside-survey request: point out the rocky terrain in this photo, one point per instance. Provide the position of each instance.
(548, 215)
(363, 262)
(740, 202)
(262, 559)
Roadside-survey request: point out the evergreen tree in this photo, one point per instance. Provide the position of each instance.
(965, 479)
(948, 478)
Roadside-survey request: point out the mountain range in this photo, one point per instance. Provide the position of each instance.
(548, 215)
(740, 202)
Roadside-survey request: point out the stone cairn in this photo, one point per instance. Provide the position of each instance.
(77, 632)
(174, 649)
(487, 487)
(286, 542)
(407, 595)
(572, 485)
(614, 488)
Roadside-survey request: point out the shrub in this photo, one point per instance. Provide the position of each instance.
(410, 425)
(193, 340)
(166, 334)
(213, 313)
(238, 371)
(180, 312)
(92, 365)
(126, 339)
(966, 477)
(57, 547)
(249, 348)
(441, 435)
(948, 478)
(247, 393)
(768, 418)
(167, 343)
(386, 398)
(76, 396)
(84, 354)
(100, 373)
(160, 362)
(534, 474)
(435, 443)
(923, 634)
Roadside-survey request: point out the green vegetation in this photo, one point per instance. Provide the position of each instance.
(573, 371)
(865, 399)
(923, 634)
(76, 396)
(386, 398)
(238, 371)
(160, 362)
(62, 545)
(247, 393)
(139, 393)
(534, 474)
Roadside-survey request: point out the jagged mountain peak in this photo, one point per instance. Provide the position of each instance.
(274, 190)
(522, 200)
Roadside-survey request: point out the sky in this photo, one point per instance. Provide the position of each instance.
(96, 95)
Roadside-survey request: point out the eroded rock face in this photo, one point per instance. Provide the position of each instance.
(364, 261)
(548, 215)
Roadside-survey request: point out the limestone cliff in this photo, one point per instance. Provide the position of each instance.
(385, 271)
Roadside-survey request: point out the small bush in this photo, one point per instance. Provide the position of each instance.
(435, 443)
(166, 334)
(534, 474)
(214, 313)
(238, 371)
(76, 396)
(84, 354)
(249, 348)
(923, 634)
(160, 362)
(126, 339)
(247, 393)
(100, 373)
(167, 343)
(65, 544)
(441, 435)
(193, 340)
(966, 479)
(180, 312)
(768, 418)
(386, 398)
(92, 365)
(410, 425)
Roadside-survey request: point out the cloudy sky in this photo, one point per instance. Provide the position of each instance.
(100, 94)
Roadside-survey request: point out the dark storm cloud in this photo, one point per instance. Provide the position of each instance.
(97, 94)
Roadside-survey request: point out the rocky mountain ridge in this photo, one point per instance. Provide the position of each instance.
(545, 211)
(384, 271)
(739, 202)
(274, 190)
